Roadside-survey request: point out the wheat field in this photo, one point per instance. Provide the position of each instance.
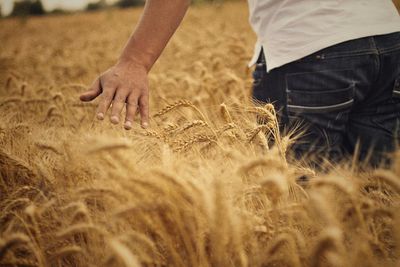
(203, 186)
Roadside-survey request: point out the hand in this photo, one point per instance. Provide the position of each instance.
(124, 84)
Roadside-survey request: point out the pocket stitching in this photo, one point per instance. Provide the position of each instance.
(319, 92)
(309, 72)
(298, 108)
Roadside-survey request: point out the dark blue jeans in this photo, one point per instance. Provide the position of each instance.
(344, 96)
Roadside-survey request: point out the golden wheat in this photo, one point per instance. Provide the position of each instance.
(208, 184)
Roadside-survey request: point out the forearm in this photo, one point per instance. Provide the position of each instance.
(126, 83)
(156, 26)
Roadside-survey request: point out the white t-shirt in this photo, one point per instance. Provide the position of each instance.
(288, 30)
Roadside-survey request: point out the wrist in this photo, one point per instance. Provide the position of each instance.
(134, 61)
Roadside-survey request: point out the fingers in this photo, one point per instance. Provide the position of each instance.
(93, 92)
(133, 99)
(131, 108)
(118, 104)
(144, 110)
(107, 97)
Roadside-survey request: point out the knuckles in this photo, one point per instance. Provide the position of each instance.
(113, 81)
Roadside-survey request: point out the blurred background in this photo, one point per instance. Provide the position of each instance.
(42, 7)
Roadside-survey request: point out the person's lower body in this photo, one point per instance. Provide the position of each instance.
(346, 98)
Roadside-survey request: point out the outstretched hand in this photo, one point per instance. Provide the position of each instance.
(123, 85)
(126, 84)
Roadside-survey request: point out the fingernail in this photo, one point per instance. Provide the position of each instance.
(145, 125)
(100, 116)
(128, 125)
(114, 119)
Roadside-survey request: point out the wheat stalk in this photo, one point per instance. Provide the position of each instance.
(123, 253)
(181, 145)
(192, 124)
(179, 103)
(225, 113)
(11, 241)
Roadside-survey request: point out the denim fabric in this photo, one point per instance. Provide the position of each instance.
(341, 96)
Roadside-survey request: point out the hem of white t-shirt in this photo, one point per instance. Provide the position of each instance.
(256, 54)
(323, 43)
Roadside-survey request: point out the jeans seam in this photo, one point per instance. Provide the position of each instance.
(390, 49)
(302, 73)
(318, 109)
(348, 54)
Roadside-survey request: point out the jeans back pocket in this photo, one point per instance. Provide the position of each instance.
(319, 92)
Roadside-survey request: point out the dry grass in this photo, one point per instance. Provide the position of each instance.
(202, 187)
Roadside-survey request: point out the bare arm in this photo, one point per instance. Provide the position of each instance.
(126, 82)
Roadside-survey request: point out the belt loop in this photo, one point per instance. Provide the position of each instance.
(373, 44)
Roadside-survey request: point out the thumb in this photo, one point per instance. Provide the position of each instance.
(94, 91)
